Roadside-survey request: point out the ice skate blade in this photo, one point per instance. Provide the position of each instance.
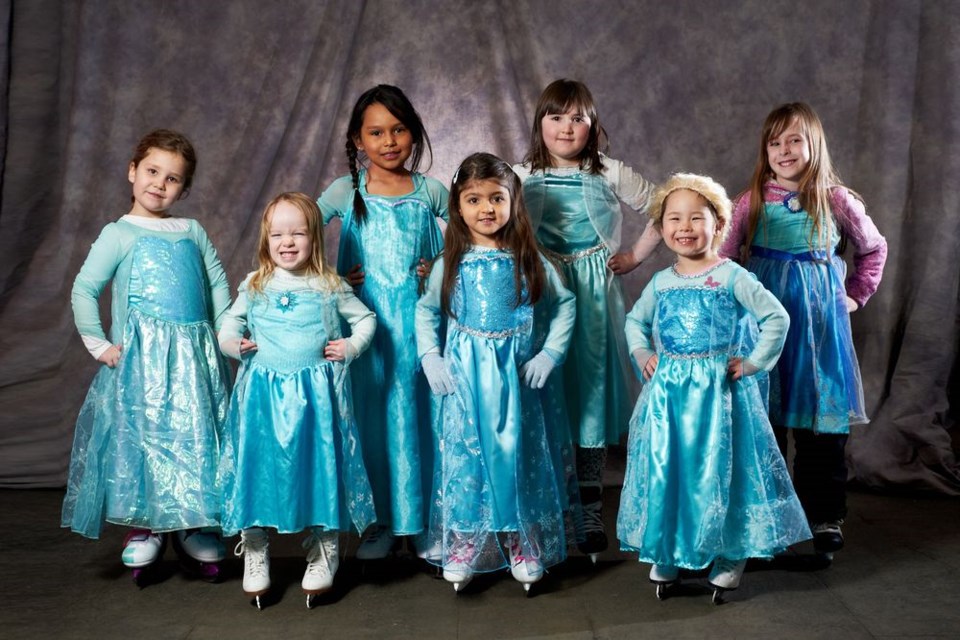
(718, 596)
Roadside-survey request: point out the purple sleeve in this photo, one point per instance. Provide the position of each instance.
(870, 248)
(738, 229)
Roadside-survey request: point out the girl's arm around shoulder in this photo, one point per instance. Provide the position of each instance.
(771, 317)
(216, 277)
(99, 268)
(733, 244)
(427, 314)
(233, 328)
(563, 312)
(870, 248)
(362, 321)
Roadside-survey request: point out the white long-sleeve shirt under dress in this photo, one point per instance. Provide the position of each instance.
(296, 461)
(705, 478)
(578, 221)
(147, 439)
(505, 455)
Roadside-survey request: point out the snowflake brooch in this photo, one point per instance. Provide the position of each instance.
(792, 202)
(286, 301)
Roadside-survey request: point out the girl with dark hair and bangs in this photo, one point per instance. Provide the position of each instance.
(573, 192)
(390, 229)
(504, 472)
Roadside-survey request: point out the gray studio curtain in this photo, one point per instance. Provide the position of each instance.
(264, 91)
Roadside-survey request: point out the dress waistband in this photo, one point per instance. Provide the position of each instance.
(568, 258)
(774, 254)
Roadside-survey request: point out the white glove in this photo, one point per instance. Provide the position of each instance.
(435, 368)
(537, 369)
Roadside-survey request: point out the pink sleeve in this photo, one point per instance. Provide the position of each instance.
(870, 248)
(738, 228)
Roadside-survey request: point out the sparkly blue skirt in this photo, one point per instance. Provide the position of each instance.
(704, 476)
(816, 383)
(146, 445)
(498, 471)
(296, 461)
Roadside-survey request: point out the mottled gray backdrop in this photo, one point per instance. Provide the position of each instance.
(264, 90)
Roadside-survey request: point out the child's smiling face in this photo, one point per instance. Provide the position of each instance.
(689, 227)
(157, 182)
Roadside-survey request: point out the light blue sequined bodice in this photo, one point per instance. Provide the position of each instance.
(168, 281)
(696, 322)
(292, 327)
(383, 243)
(485, 299)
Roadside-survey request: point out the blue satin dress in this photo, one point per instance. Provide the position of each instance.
(594, 374)
(394, 406)
(147, 438)
(704, 476)
(503, 468)
(297, 461)
(816, 384)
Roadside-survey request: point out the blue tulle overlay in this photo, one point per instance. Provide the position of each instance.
(816, 383)
(297, 461)
(503, 467)
(704, 476)
(147, 439)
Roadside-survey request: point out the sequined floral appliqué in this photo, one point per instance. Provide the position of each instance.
(286, 301)
(792, 202)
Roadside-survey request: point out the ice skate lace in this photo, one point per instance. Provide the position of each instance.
(254, 557)
(318, 555)
(516, 553)
(827, 527)
(592, 518)
(462, 554)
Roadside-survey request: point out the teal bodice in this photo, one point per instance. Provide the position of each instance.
(168, 281)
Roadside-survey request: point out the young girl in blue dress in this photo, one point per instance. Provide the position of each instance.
(499, 472)
(296, 463)
(705, 483)
(573, 193)
(389, 213)
(787, 229)
(146, 444)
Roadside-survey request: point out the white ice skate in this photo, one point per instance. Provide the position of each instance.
(142, 548)
(200, 553)
(664, 576)
(725, 576)
(254, 546)
(458, 568)
(525, 568)
(322, 563)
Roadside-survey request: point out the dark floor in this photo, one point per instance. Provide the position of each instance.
(898, 577)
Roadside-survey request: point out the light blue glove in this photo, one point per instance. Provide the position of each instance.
(537, 369)
(435, 368)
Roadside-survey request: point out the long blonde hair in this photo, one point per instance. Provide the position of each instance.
(316, 265)
(815, 183)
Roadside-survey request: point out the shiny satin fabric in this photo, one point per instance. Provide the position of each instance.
(297, 461)
(147, 440)
(816, 384)
(394, 406)
(498, 473)
(704, 476)
(584, 213)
